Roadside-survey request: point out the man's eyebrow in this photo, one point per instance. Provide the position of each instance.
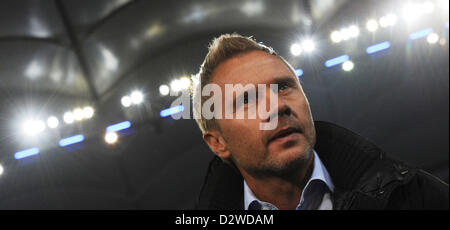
(283, 79)
(277, 80)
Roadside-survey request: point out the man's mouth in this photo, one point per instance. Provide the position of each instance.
(285, 134)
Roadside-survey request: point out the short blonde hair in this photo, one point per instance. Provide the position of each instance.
(221, 49)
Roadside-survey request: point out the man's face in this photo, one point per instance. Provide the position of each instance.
(266, 151)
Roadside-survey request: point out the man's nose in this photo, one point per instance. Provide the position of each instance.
(281, 109)
(285, 110)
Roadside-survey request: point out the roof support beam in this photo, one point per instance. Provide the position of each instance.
(76, 45)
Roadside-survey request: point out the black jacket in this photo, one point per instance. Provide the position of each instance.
(363, 176)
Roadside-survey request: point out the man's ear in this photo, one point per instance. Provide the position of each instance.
(217, 144)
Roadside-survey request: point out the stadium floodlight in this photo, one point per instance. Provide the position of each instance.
(353, 31)
(336, 36)
(432, 38)
(126, 101)
(296, 49)
(383, 22)
(68, 117)
(185, 82)
(427, 7)
(388, 20)
(78, 114)
(345, 34)
(34, 70)
(412, 11)
(372, 25)
(348, 66)
(308, 45)
(111, 137)
(52, 122)
(137, 97)
(33, 127)
(180, 84)
(88, 112)
(175, 85)
(444, 5)
(164, 90)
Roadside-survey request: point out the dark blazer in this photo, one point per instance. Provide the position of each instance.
(364, 177)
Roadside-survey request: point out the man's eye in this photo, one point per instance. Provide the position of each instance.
(283, 86)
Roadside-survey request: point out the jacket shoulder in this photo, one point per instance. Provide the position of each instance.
(222, 188)
(423, 191)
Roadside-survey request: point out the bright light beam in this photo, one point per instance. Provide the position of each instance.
(171, 111)
(378, 47)
(26, 153)
(337, 60)
(71, 140)
(119, 126)
(420, 33)
(298, 72)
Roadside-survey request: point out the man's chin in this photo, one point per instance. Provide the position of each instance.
(289, 151)
(289, 159)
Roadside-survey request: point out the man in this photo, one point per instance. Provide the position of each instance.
(300, 164)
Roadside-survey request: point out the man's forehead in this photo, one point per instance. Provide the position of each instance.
(256, 67)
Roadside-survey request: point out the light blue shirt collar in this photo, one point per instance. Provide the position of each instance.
(319, 173)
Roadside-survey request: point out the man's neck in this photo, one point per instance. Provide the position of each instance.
(283, 192)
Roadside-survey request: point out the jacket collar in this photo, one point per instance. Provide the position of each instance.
(362, 175)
